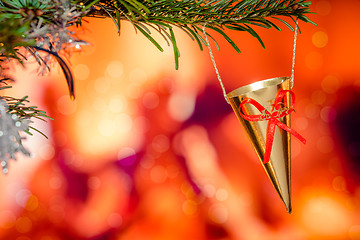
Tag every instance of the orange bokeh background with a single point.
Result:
(148, 152)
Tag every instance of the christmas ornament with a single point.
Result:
(263, 108)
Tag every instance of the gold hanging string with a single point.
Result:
(217, 71)
(293, 58)
(214, 64)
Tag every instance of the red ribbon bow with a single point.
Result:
(276, 112)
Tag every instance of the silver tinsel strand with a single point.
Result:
(10, 139)
(57, 37)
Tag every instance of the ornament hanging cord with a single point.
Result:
(293, 58)
(217, 71)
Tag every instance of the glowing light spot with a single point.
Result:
(147, 162)
(102, 85)
(98, 104)
(7, 219)
(160, 143)
(318, 97)
(65, 105)
(127, 156)
(78, 160)
(301, 123)
(187, 190)
(18, 124)
(117, 104)
(151, 100)
(88, 219)
(189, 207)
(22, 197)
(173, 171)
(158, 174)
(209, 190)
(83, 118)
(323, 8)
(200, 150)
(69, 156)
(328, 114)
(218, 213)
(114, 220)
(330, 84)
(32, 203)
(221, 194)
(312, 111)
(325, 144)
(138, 76)
(180, 106)
(46, 151)
(354, 232)
(55, 182)
(81, 72)
(325, 216)
(142, 123)
(339, 183)
(106, 127)
(123, 122)
(115, 69)
(57, 203)
(314, 60)
(23, 225)
(133, 91)
(295, 148)
(94, 183)
(320, 39)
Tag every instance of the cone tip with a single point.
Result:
(289, 209)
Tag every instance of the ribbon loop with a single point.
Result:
(279, 109)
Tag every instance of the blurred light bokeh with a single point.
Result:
(148, 152)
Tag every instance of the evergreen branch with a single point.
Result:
(18, 107)
(42, 26)
(190, 15)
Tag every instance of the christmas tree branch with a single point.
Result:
(191, 15)
(40, 29)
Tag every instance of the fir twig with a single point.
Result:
(191, 15)
(42, 25)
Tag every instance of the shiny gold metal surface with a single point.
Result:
(278, 168)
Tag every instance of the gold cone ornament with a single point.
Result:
(264, 109)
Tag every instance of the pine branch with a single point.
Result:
(18, 107)
(191, 15)
(42, 26)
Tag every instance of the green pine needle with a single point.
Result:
(191, 15)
